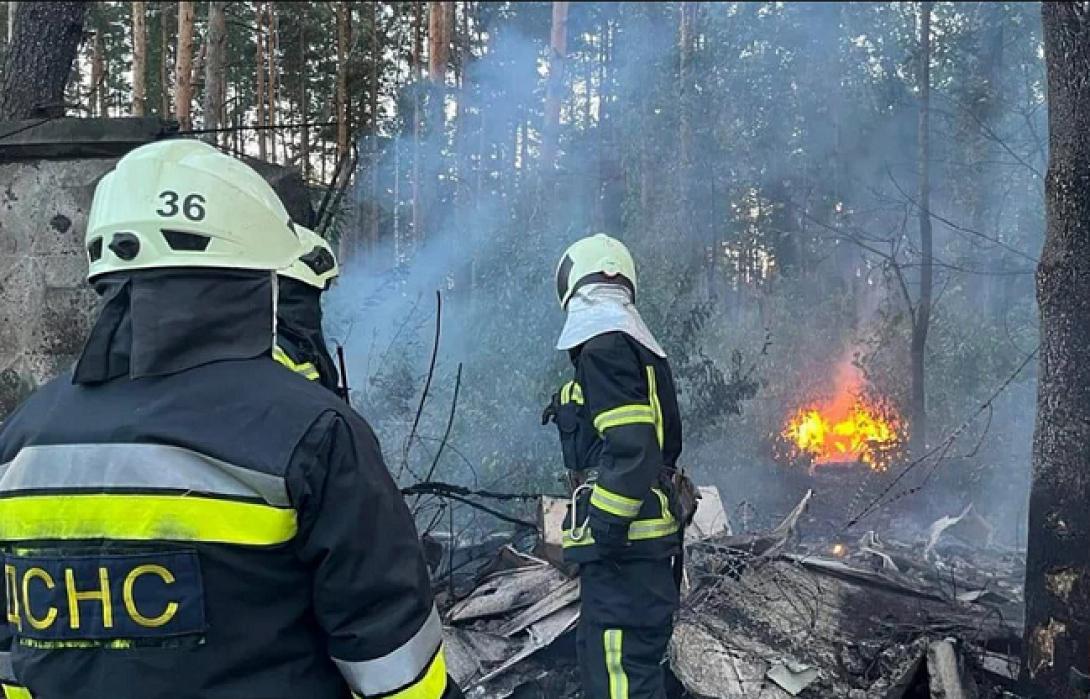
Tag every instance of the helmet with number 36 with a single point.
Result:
(183, 203)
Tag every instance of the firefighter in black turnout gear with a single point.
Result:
(180, 517)
(620, 432)
(300, 343)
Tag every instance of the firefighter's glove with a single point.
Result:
(610, 536)
(549, 414)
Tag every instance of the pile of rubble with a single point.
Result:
(769, 615)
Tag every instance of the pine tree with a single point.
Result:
(183, 76)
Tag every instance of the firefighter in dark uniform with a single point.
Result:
(620, 433)
(180, 517)
(300, 344)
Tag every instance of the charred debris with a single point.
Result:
(795, 610)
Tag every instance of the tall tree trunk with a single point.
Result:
(417, 61)
(987, 101)
(376, 63)
(685, 129)
(439, 20)
(39, 58)
(214, 66)
(139, 58)
(304, 113)
(921, 321)
(164, 64)
(342, 79)
(12, 7)
(98, 74)
(1058, 560)
(558, 52)
(183, 68)
(259, 68)
(274, 75)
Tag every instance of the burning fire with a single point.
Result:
(847, 428)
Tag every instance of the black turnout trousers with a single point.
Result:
(625, 627)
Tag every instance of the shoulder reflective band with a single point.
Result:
(572, 392)
(305, 369)
(618, 680)
(624, 415)
(614, 503)
(416, 670)
(86, 491)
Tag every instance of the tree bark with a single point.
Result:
(417, 60)
(439, 25)
(376, 62)
(214, 66)
(164, 65)
(921, 321)
(685, 130)
(98, 74)
(342, 79)
(1058, 560)
(183, 68)
(558, 51)
(259, 68)
(273, 83)
(39, 59)
(139, 58)
(304, 114)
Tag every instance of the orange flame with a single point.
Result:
(845, 429)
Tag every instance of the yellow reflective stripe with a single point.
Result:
(144, 517)
(661, 526)
(624, 415)
(614, 503)
(431, 686)
(112, 644)
(12, 691)
(568, 542)
(618, 680)
(656, 407)
(640, 530)
(306, 369)
(571, 392)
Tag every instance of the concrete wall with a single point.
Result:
(45, 304)
(46, 307)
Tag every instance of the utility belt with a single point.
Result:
(654, 532)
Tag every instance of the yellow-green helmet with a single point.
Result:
(182, 203)
(317, 266)
(597, 258)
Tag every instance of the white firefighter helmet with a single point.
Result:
(182, 203)
(317, 266)
(596, 258)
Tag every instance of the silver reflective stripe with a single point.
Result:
(141, 466)
(399, 668)
(7, 671)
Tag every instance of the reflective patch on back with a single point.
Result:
(112, 601)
